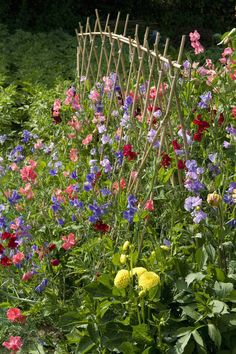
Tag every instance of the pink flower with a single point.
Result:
(209, 63)
(15, 315)
(149, 205)
(39, 144)
(69, 241)
(15, 343)
(73, 155)
(227, 51)
(14, 167)
(153, 92)
(74, 123)
(223, 60)
(57, 105)
(233, 112)
(233, 75)
(18, 258)
(27, 173)
(198, 48)
(87, 140)
(27, 191)
(94, 95)
(133, 175)
(194, 36)
(27, 276)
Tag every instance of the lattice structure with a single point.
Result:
(102, 51)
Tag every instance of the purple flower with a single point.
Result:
(16, 154)
(131, 209)
(205, 100)
(90, 177)
(194, 185)
(186, 64)
(198, 216)
(166, 242)
(102, 128)
(56, 206)
(230, 195)
(26, 136)
(105, 191)
(106, 139)
(226, 144)
(231, 130)
(106, 164)
(213, 157)
(192, 202)
(73, 174)
(14, 198)
(119, 156)
(41, 286)
(87, 187)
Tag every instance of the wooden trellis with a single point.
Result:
(101, 51)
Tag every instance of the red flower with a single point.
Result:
(233, 112)
(12, 244)
(52, 246)
(197, 136)
(6, 235)
(1, 248)
(175, 144)
(5, 261)
(221, 119)
(166, 160)
(99, 226)
(55, 262)
(127, 152)
(181, 164)
(202, 124)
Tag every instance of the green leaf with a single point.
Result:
(85, 345)
(223, 289)
(181, 343)
(141, 334)
(189, 311)
(194, 276)
(198, 339)
(214, 334)
(98, 290)
(219, 307)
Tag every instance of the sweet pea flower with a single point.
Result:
(73, 155)
(18, 258)
(14, 344)
(87, 140)
(69, 241)
(15, 315)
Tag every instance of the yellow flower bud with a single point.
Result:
(137, 271)
(125, 246)
(142, 293)
(165, 248)
(213, 199)
(148, 280)
(123, 259)
(122, 279)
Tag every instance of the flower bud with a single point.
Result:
(125, 246)
(213, 199)
(123, 259)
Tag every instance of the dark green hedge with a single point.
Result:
(170, 15)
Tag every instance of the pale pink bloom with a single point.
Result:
(69, 241)
(94, 95)
(19, 207)
(39, 144)
(194, 36)
(73, 155)
(57, 105)
(74, 123)
(14, 344)
(71, 136)
(227, 51)
(153, 92)
(198, 48)
(27, 276)
(223, 60)
(68, 101)
(233, 75)
(149, 205)
(18, 258)
(162, 89)
(14, 167)
(209, 63)
(87, 140)
(211, 77)
(27, 191)
(195, 65)
(33, 163)
(16, 225)
(133, 175)
(75, 103)
(65, 173)
(202, 71)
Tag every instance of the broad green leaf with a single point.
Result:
(223, 289)
(190, 311)
(181, 343)
(194, 276)
(214, 334)
(219, 307)
(198, 339)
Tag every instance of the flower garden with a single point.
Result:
(117, 209)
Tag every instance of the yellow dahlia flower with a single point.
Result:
(122, 278)
(148, 280)
(138, 271)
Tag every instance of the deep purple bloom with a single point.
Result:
(119, 156)
(41, 286)
(14, 198)
(73, 174)
(87, 187)
(26, 136)
(105, 191)
(229, 197)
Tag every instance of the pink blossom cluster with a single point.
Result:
(194, 39)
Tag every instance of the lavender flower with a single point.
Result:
(230, 195)
(131, 209)
(231, 130)
(106, 164)
(41, 286)
(14, 198)
(3, 138)
(192, 202)
(205, 100)
(198, 216)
